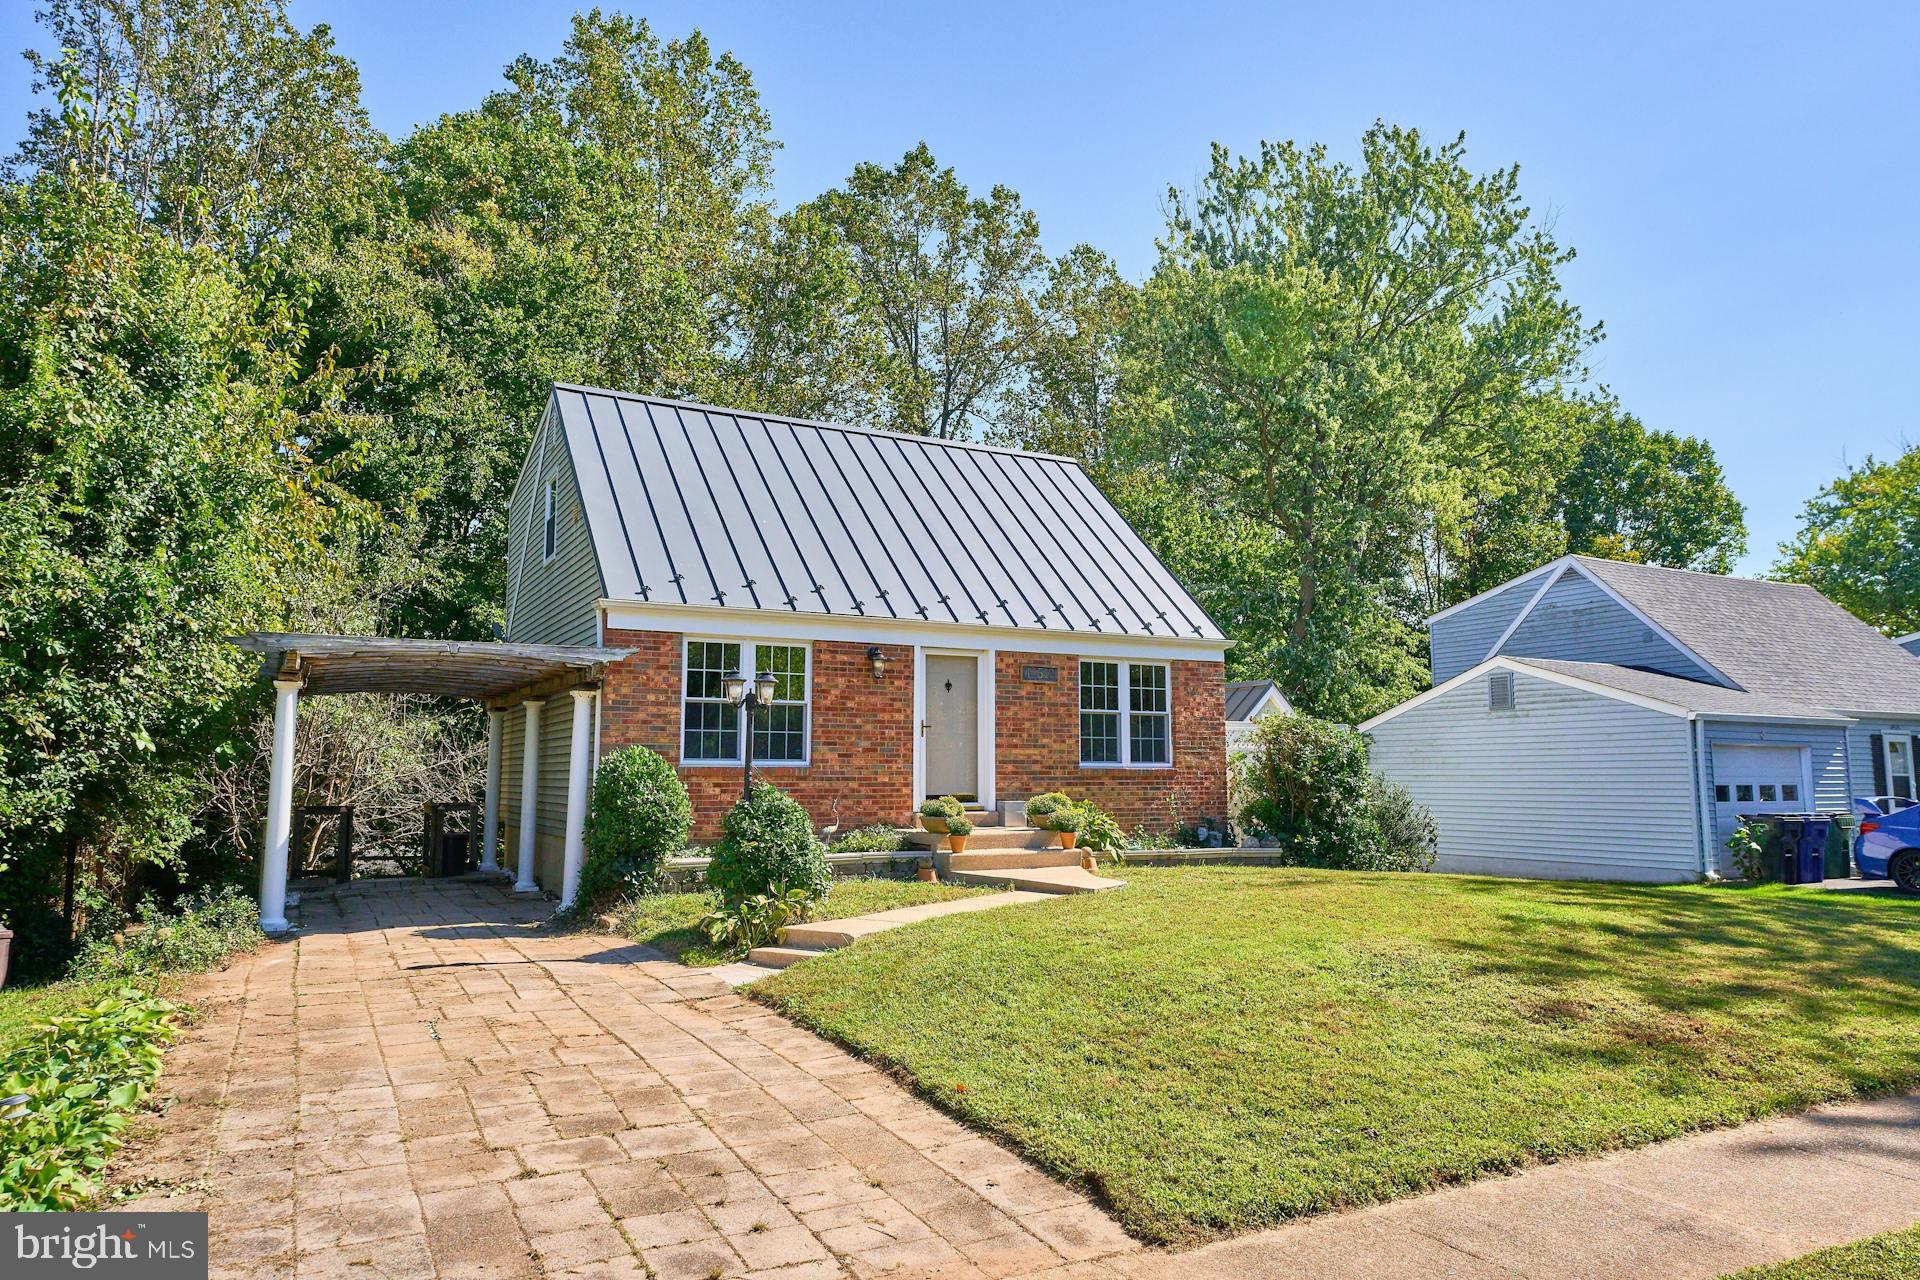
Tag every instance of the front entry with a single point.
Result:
(952, 726)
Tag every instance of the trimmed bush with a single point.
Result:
(1307, 786)
(767, 846)
(1045, 806)
(638, 819)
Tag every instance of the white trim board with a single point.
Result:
(782, 624)
(1470, 601)
(1521, 666)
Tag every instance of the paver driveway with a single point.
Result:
(424, 1084)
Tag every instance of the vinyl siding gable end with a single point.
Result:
(1462, 639)
(551, 600)
(1577, 621)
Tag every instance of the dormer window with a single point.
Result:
(552, 530)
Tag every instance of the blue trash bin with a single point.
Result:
(1813, 849)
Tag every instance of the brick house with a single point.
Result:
(937, 617)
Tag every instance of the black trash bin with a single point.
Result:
(1792, 829)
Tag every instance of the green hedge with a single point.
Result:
(638, 819)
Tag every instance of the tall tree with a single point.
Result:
(1065, 398)
(951, 277)
(1859, 543)
(1652, 496)
(231, 124)
(1320, 343)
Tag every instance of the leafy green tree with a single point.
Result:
(1065, 401)
(154, 492)
(1652, 496)
(232, 125)
(1859, 543)
(951, 278)
(1318, 343)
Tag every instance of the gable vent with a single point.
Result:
(1500, 691)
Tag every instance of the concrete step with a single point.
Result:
(1039, 879)
(782, 956)
(987, 838)
(990, 859)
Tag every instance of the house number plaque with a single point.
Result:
(1040, 675)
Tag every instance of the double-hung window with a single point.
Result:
(1900, 767)
(711, 727)
(1125, 714)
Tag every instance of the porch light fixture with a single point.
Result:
(878, 659)
(751, 694)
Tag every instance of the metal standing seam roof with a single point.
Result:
(1244, 696)
(1781, 639)
(691, 504)
(1693, 695)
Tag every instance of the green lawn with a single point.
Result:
(668, 920)
(1216, 1049)
(1894, 1256)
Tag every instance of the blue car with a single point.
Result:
(1888, 846)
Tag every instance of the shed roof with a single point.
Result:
(1245, 696)
(690, 504)
(1779, 638)
(477, 669)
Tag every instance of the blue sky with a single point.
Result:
(1739, 181)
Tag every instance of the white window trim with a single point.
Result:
(1126, 713)
(748, 646)
(549, 528)
(1913, 766)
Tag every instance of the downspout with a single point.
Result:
(1702, 811)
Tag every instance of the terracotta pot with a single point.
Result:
(1067, 838)
(936, 825)
(926, 875)
(957, 843)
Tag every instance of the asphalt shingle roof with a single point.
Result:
(1777, 638)
(693, 504)
(1693, 695)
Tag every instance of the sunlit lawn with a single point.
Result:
(1216, 1049)
(669, 920)
(1894, 1256)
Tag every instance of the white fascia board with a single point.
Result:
(1546, 585)
(1744, 718)
(1494, 591)
(1520, 667)
(780, 624)
(1902, 640)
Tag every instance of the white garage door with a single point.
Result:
(1756, 780)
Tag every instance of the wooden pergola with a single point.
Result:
(500, 675)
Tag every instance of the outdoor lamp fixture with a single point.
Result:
(878, 659)
(751, 694)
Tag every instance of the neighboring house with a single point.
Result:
(939, 618)
(1249, 701)
(1910, 643)
(1598, 719)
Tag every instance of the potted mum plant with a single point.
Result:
(935, 815)
(958, 829)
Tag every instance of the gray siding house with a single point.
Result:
(1595, 719)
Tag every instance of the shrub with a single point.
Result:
(1307, 787)
(638, 819)
(1044, 806)
(944, 807)
(767, 845)
(878, 838)
(959, 827)
(83, 1075)
(1404, 836)
(1754, 857)
(758, 920)
(200, 933)
(1099, 830)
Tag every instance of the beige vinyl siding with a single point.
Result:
(1576, 621)
(1461, 640)
(550, 601)
(1567, 785)
(556, 728)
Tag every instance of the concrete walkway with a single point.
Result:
(424, 1085)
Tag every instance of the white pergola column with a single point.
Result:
(273, 854)
(579, 772)
(490, 817)
(529, 797)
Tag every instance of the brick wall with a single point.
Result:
(862, 731)
(1037, 744)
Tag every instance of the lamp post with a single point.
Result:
(752, 695)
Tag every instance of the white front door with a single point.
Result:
(1756, 780)
(953, 726)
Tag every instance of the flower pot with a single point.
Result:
(926, 875)
(6, 946)
(936, 825)
(1067, 838)
(957, 843)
